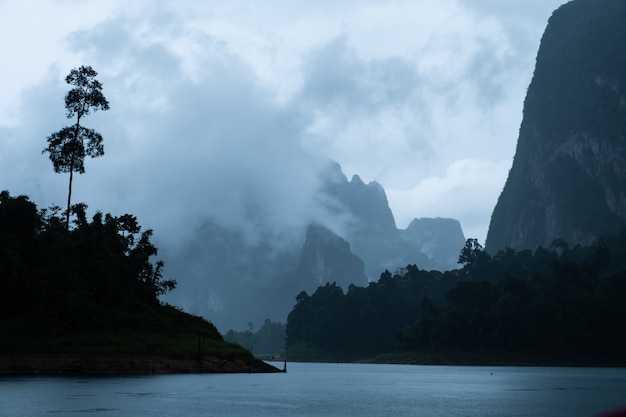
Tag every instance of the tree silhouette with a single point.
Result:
(69, 146)
(472, 252)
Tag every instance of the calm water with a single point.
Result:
(326, 390)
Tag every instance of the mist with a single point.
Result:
(223, 118)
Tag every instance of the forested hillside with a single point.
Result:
(83, 296)
(79, 275)
(553, 305)
(91, 288)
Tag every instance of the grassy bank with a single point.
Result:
(173, 340)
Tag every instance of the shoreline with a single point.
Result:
(460, 359)
(101, 365)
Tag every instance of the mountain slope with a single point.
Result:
(326, 257)
(374, 237)
(568, 178)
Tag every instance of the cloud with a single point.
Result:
(256, 97)
(465, 191)
(228, 111)
(188, 146)
(361, 108)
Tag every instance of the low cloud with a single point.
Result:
(228, 112)
(464, 192)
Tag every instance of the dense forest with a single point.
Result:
(89, 288)
(80, 275)
(553, 305)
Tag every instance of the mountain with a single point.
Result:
(238, 277)
(374, 237)
(437, 238)
(568, 178)
(326, 257)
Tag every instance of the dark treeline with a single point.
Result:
(558, 305)
(83, 276)
(364, 321)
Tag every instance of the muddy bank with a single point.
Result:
(124, 365)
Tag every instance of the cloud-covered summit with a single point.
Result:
(399, 92)
(228, 111)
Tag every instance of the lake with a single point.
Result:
(310, 389)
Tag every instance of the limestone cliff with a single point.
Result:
(568, 178)
(326, 257)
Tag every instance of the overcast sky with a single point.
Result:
(219, 105)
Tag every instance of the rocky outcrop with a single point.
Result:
(326, 257)
(568, 178)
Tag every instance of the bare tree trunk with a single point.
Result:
(69, 194)
(69, 198)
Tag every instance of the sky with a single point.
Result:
(217, 107)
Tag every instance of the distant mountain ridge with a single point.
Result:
(224, 277)
(373, 234)
(568, 178)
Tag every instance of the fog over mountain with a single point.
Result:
(236, 276)
(225, 114)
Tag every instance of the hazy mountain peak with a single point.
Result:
(356, 180)
(353, 238)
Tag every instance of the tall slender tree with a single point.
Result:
(69, 146)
